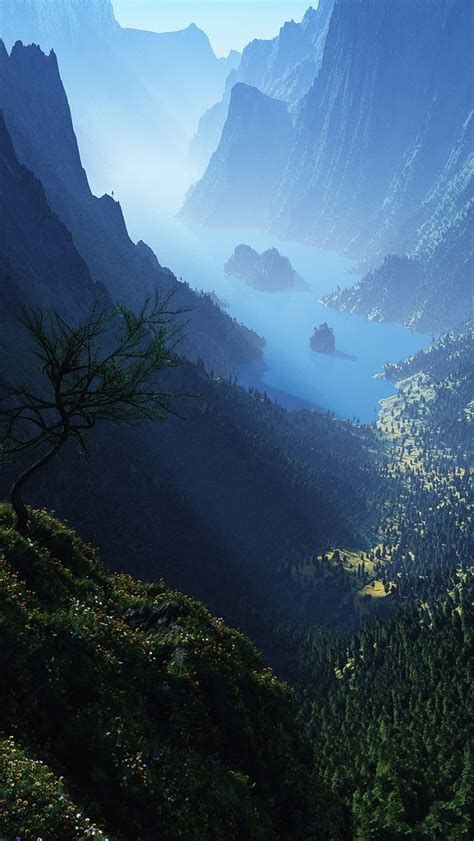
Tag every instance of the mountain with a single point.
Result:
(257, 138)
(37, 114)
(50, 21)
(381, 160)
(38, 260)
(232, 466)
(284, 68)
(127, 709)
(128, 89)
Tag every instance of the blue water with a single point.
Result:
(291, 372)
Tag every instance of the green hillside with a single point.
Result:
(128, 711)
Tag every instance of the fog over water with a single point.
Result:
(291, 372)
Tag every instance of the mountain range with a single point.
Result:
(127, 88)
(380, 158)
(284, 68)
(38, 117)
(233, 466)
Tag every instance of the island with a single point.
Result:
(323, 339)
(267, 272)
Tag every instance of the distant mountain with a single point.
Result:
(380, 142)
(38, 118)
(136, 97)
(257, 139)
(235, 469)
(382, 156)
(284, 67)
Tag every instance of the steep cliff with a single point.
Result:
(380, 135)
(246, 167)
(284, 67)
(382, 155)
(37, 114)
(127, 89)
(39, 263)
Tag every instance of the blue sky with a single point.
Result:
(228, 23)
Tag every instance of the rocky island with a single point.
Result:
(268, 272)
(323, 339)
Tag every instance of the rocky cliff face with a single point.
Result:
(39, 263)
(284, 67)
(38, 118)
(256, 139)
(379, 127)
(382, 158)
(50, 21)
(287, 66)
(128, 90)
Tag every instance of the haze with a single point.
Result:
(230, 24)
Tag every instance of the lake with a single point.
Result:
(291, 372)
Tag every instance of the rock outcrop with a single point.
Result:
(268, 272)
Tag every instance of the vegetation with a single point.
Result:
(104, 369)
(390, 718)
(166, 712)
(131, 704)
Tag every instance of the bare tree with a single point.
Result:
(104, 369)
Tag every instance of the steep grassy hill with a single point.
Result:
(128, 711)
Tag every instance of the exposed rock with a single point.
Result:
(323, 339)
(269, 271)
(381, 158)
(284, 68)
(257, 139)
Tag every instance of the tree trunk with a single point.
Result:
(21, 511)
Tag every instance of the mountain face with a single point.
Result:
(382, 157)
(284, 67)
(377, 130)
(127, 89)
(37, 114)
(39, 263)
(233, 467)
(257, 138)
(50, 20)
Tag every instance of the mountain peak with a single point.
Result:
(50, 21)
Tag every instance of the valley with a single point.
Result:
(286, 318)
(236, 553)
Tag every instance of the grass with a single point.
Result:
(127, 709)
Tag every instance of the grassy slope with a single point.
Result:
(129, 707)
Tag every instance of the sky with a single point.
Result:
(230, 24)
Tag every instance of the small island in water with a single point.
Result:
(268, 272)
(323, 339)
